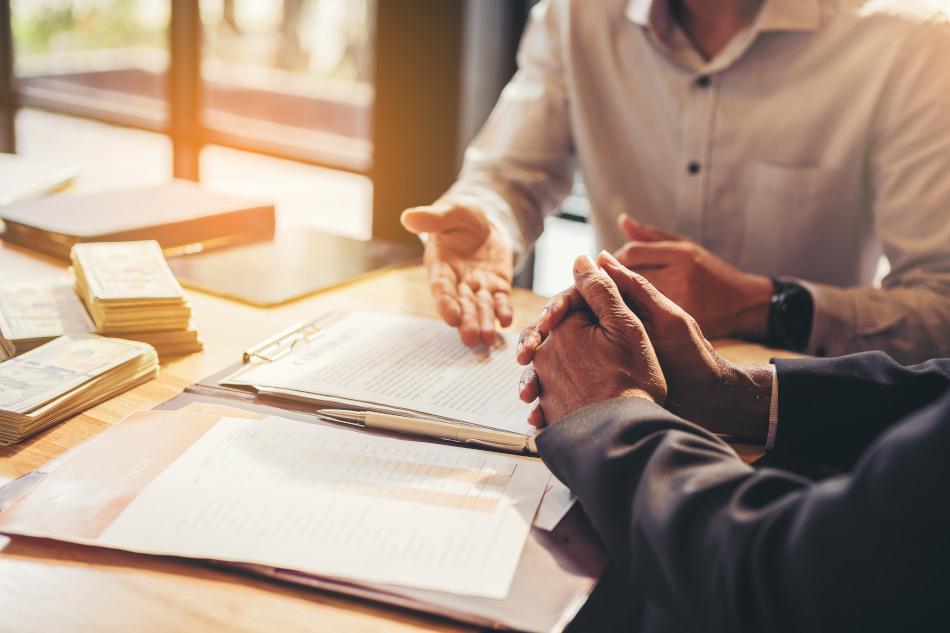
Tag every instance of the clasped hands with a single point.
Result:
(615, 335)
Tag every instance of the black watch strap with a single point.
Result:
(790, 316)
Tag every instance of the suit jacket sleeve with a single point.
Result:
(719, 546)
(830, 410)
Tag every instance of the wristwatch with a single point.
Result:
(790, 316)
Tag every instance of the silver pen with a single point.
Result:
(504, 440)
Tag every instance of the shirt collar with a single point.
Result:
(775, 15)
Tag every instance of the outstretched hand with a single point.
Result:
(470, 269)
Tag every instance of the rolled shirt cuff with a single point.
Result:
(773, 412)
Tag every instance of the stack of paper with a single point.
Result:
(131, 293)
(37, 312)
(66, 376)
(332, 502)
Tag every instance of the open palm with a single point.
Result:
(470, 269)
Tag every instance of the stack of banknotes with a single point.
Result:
(131, 293)
(61, 378)
(36, 312)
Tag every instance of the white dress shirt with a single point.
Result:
(773, 412)
(816, 140)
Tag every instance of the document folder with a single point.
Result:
(556, 574)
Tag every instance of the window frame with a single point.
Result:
(421, 47)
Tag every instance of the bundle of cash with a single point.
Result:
(131, 293)
(66, 376)
(33, 313)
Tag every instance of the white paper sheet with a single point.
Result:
(337, 502)
(557, 502)
(404, 362)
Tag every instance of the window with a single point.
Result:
(99, 58)
(291, 78)
(225, 83)
(275, 80)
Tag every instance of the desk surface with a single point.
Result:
(47, 586)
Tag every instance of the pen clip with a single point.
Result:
(511, 448)
(336, 420)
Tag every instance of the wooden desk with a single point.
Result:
(47, 586)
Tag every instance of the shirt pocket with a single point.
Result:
(796, 222)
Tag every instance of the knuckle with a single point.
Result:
(598, 283)
(541, 360)
(680, 324)
(692, 251)
(446, 301)
(683, 248)
(689, 322)
(440, 285)
(501, 286)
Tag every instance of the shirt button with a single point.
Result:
(693, 168)
(703, 81)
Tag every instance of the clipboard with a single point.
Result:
(285, 341)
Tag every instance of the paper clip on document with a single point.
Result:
(283, 342)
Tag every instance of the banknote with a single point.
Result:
(51, 370)
(125, 270)
(37, 310)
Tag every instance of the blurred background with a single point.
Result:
(343, 112)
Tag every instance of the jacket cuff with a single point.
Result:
(600, 414)
(584, 435)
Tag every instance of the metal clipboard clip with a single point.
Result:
(283, 342)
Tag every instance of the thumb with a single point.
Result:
(426, 219)
(599, 292)
(439, 218)
(640, 232)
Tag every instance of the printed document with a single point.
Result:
(328, 501)
(401, 364)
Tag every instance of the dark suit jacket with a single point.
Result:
(707, 543)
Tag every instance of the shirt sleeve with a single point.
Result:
(773, 412)
(520, 167)
(909, 164)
